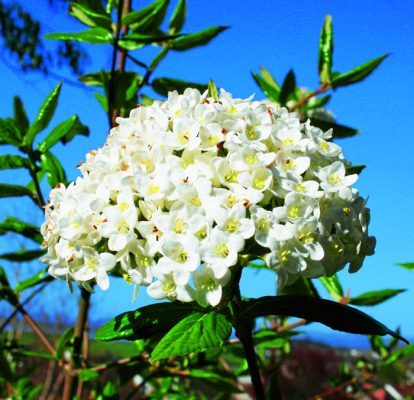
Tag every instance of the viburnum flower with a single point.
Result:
(184, 189)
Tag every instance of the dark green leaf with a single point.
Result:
(335, 315)
(63, 132)
(218, 379)
(213, 91)
(325, 51)
(12, 224)
(268, 84)
(302, 286)
(9, 161)
(339, 131)
(28, 283)
(333, 286)
(357, 74)
(44, 115)
(375, 297)
(93, 36)
(90, 17)
(197, 39)
(32, 354)
(409, 265)
(268, 339)
(164, 85)
(355, 169)
(7, 190)
(144, 322)
(22, 255)
(20, 117)
(9, 132)
(148, 18)
(400, 353)
(52, 166)
(88, 375)
(63, 342)
(199, 331)
(178, 17)
(288, 88)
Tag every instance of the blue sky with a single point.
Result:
(278, 35)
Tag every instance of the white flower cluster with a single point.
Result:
(185, 187)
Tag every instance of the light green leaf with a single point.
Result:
(357, 74)
(10, 133)
(409, 265)
(199, 331)
(44, 115)
(406, 351)
(269, 339)
(93, 36)
(52, 166)
(326, 51)
(146, 101)
(288, 87)
(32, 281)
(200, 38)
(148, 18)
(20, 116)
(164, 85)
(333, 286)
(213, 91)
(339, 131)
(375, 297)
(133, 41)
(9, 161)
(268, 84)
(63, 342)
(88, 375)
(319, 102)
(63, 132)
(178, 17)
(30, 231)
(90, 17)
(7, 190)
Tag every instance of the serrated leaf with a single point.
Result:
(325, 54)
(357, 74)
(164, 85)
(200, 38)
(330, 313)
(7, 190)
(63, 132)
(92, 36)
(213, 91)
(375, 297)
(144, 322)
(20, 116)
(22, 255)
(90, 17)
(178, 17)
(9, 161)
(409, 265)
(44, 115)
(199, 331)
(148, 18)
(268, 84)
(288, 88)
(333, 286)
(30, 231)
(339, 131)
(53, 168)
(355, 169)
(34, 280)
(398, 354)
(9, 132)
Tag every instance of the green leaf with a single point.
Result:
(220, 380)
(355, 169)
(357, 74)
(213, 91)
(30, 231)
(90, 17)
(318, 103)
(44, 115)
(7, 190)
(164, 85)
(9, 161)
(63, 342)
(148, 18)
(326, 51)
(178, 17)
(144, 322)
(400, 353)
(199, 331)
(302, 286)
(339, 131)
(146, 101)
(333, 286)
(288, 88)
(22, 255)
(88, 375)
(269, 339)
(375, 297)
(268, 84)
(109, 389)
(32, 354)
(28, 283)
(409, 265)
(63, 132)
(200, 38)
(330, 313)
(52, 166)
(9, 132)
(93, 36)
(133, 41)
(20, 116)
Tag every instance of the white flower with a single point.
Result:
(208, 288)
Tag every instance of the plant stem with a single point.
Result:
(244, 333)
(40, 199)
(303, 100)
